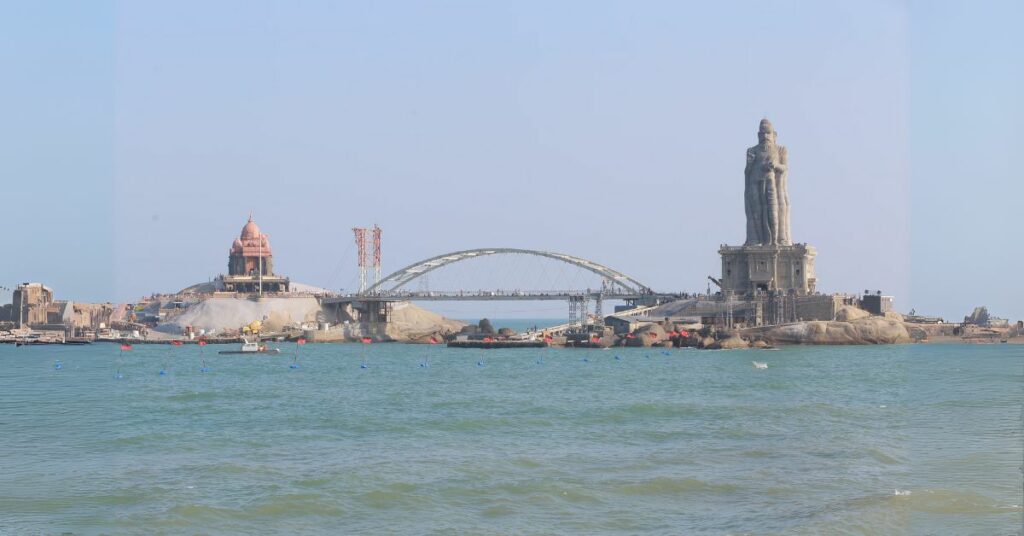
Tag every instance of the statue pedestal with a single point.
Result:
(746, 269)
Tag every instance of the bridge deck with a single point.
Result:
(497, 296)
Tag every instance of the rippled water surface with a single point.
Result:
(920, 439)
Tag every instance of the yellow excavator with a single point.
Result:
(253, 328)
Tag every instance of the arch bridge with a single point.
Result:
(616, 282)
(374, 303)
(616, 285)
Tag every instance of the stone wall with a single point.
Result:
(819, 306)
(749, 268)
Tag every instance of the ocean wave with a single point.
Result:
(675, 486)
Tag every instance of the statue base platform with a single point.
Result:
(768, 267)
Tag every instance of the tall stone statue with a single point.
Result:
(767, 200)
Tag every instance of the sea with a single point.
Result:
(423, 439)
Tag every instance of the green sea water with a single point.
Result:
(916, 439)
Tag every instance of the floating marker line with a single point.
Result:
(125, 347)
(202, 356)
(365, 341)
(295, 362)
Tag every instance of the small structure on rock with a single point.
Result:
(251, 264)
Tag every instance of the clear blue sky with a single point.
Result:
(137, 136)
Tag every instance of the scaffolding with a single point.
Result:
(578, 307)
(363, 255)
(376, 255)
(361, 258)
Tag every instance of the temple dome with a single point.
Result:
(251, 242)
(251, 230)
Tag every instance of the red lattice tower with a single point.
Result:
(361, 257)
(376, 254)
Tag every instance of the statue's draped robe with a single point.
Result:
(765, 195)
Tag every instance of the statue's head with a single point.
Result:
(765, 133)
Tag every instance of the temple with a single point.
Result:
(251, 264)
(768, 262)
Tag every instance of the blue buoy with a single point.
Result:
(58, 365)
(363, 366)
(540, 361)
(163, 372)
(118, 376)
(585, 360)
(293, 366)
(204, 369)
(648, 356)
(479, 363)
(617, 358)
(665, 352)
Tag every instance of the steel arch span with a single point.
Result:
(397, 279)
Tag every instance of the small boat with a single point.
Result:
(250, 348)
(760, 364)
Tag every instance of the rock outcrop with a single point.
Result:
(648, 335)
(410, 323)
(733, 342)
(865, 330)
(849, 313)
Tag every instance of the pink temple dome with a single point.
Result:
(251, 242)
(251, 230)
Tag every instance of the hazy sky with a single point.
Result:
(137, 136)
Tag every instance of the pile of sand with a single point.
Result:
(220, 314)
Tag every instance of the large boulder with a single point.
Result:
(848, 313)
(893, 315)
(410, 322)
(870, 330)
(648, 335)
(733, 342)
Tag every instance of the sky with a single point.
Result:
(138, 136)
